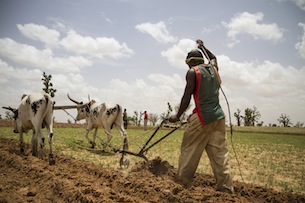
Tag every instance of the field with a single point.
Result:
(268, 164)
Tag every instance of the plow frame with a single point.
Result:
(124, 162)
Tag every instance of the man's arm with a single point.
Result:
(207, 53)
(212, 57)
(186, 98)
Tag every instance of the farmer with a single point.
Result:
(206, 126)
(125, 119)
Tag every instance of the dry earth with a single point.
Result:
(25, 178)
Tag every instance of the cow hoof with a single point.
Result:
(92, 144)
(124, 162)
(52, 162)
(51, 159)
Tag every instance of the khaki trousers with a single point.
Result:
(145, 124)
(212, 138)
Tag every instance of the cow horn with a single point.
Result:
(88, 97)
(84, 105)
(76, 102)
(10, 108)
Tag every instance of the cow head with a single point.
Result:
(82, 109)
(17, 121)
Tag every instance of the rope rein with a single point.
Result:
(231, 137)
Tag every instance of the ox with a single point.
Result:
(34, 113)
(103, 115)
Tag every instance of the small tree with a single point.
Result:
(285, 120)
(131, 120)
(238, 117)
(251, 116)
(260, 123)
(137, 117)
(48, 85)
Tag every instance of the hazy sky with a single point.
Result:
(132, 52)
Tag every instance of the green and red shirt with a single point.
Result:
(206, 95)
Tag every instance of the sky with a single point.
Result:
(132, 52)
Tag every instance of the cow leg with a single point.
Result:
(124, 136)
(34, 143)
(50, 132)
(93, 143)
(109, 138)
(41, 142)
(107, 128)
(21, 141)
(87, 137)
(49, 125)
(51, 155)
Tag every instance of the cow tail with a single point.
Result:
(47, 99)
(119, 109)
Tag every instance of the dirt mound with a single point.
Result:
(25, 178)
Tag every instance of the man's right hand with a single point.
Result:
(173, 119)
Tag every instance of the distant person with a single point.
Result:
(206, 126)
(145, 120)
(125, 118)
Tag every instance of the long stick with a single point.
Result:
(66, 107)
(201, 47)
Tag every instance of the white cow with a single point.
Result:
(103, 115)
(34, 113)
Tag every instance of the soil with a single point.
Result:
(26, 178)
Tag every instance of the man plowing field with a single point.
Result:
(206, 126)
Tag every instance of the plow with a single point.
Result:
(124, 160)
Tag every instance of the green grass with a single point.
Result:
(272, 157)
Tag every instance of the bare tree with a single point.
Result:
(238, 117)
(153, 118)
(299, 125)
(251, 116)
(285, 120)
(166, 115)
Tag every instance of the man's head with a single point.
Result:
(194, 58)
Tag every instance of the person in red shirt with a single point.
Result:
(145, 120)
